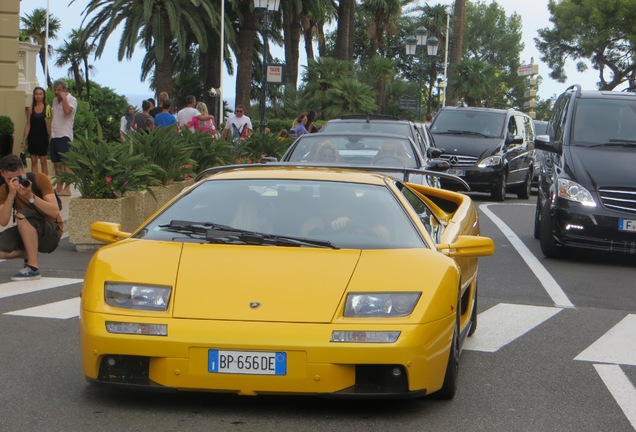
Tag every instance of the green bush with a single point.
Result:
(209, 152)
(6, 125)
(102, 169)
(168, 149)
(258, 145)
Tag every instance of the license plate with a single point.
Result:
(627, 225)
(456, 172)
(247, 362)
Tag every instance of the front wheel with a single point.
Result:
(548, 246)
(526, 187)
(499, 191)
(451, 378)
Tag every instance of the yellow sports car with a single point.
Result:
(264, 279)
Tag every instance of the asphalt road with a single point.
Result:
(555, 350)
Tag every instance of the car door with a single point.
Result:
(514, 151)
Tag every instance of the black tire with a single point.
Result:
(473, 315)
(451, 378)
(499, 191)
(526, 187)
(548, 246)
(537, 220)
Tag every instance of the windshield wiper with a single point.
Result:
(217, 233)
(617, 143)
(462, 132)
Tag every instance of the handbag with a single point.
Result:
(23, 159)
(47, 120)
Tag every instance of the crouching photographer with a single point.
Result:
(33, 206)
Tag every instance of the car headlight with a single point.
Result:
(573, 191)
(137, 296)
(489, 161)
(382, 305)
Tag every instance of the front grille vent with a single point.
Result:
(620, 199)
(458, 161)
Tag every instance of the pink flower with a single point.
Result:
(109, 179)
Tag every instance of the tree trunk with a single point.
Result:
(245, 42)
(456, 49)
(344, 34)
(291, 32)
(163, 69)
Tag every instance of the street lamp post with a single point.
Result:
(446, 57)
(266, 8)
(432, 44)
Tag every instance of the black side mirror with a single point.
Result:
(434, 153)
(516, 139)
(437, 165)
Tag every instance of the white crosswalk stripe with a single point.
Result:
(491, 335)
(9, 289)
(64, 309)
(617, 346)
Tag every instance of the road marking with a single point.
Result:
(617, 346)
(64, 309)
(621, 389)
(549, 284)
(9, 289)
(503, 323)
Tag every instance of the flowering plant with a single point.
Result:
(100, 169)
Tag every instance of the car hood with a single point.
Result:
(599, 167)
(281, 284)
(468, 145)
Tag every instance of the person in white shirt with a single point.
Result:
(185, 115)
(63, 111)
(239, 126)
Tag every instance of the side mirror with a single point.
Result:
(107, 232)
(266, 159)
(468, 246)
(516, 139)
(543, 142)
(437, 165)
(434, 153)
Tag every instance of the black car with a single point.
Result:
(385, 124)
(587, 186)
(491, 149)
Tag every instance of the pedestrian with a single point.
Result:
(429, 120)
(63, 111)
(150, 124)
(298, 127)
(125, 123)
(34, 208)
(311, 125)
(240, 125)
(159, 108)
(139, 119)
(206, 126)
(185, 115)
(36, 134)
(165, 118)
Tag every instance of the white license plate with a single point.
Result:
(247, 362)
(456, 172)
(627, 225)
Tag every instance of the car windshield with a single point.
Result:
(605, 123)
(387, 151)
(286, 213)
(467, 122)
(385, 127)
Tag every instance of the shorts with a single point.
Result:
(48, 234)
(59, 146)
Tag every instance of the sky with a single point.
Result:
(124, 77)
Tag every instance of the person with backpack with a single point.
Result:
(28, 199)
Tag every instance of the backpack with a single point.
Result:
(36, 189)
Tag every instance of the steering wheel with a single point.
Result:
(389, 161)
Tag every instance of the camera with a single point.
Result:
(25, 182)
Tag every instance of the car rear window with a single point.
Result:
(363, 126)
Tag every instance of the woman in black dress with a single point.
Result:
(35, 132)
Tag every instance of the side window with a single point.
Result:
(556, 124)
(428, 219)
(513, 128)
(529, 129)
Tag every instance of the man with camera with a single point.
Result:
(34, 208)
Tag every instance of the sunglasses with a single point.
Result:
(238, 111)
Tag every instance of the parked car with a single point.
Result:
(489, 148)
(540, 128)
(264, 279)
(389, 153)
(367, 123)
(587, 188)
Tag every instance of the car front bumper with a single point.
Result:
(412, 366)
(479, 179)
(591, 228)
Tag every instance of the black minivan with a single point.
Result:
(491, 149)
(587, 184)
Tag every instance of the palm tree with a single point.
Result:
(34, 28)
(383, 15)
(320, 77)
(346, 30)
(381, 70)
(152, 24)
(456, 49)
(474, 82)
(75, 51)
(349, 96)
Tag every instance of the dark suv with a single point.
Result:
(491, 149)
(587, 184)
